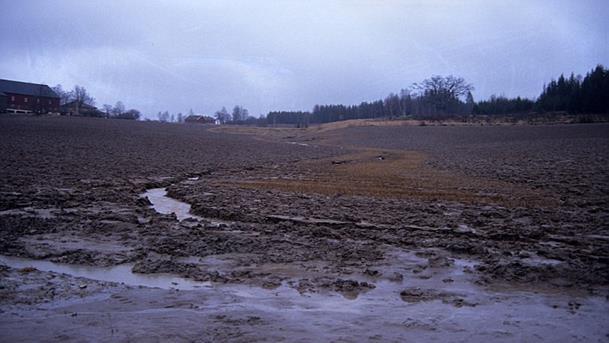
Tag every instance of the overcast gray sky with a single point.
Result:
(291, 55)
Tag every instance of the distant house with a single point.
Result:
(25, 97)
(198, 119)
(73, 108)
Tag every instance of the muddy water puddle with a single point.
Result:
(119, 274)
(166, 205)
(433, 309)
(163, 204)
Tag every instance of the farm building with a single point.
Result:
(199, 119)
(75, 108)
(25, 97)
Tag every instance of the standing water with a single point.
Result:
(120, 274)
(166, 205)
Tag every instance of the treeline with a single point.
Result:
(577, 95)
(441, 97)
(437, 97)
(79, 101)
(502, 105)
(240, 115)
(297, 118)
(118, 111)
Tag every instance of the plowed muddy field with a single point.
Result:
(115, 230)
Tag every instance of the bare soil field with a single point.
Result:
(335, 233)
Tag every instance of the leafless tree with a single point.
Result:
(441, 95)
(64, 96)
(81, 96)
(223, 116)
(163, 116)
(451, 86)
(108, 110)
(118, 109)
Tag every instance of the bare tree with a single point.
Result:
(237, 113)
(240, 113)
(64, 96)
(81, 96)
(163, 116)
(449, 85)
(108, 110)
(118, 109)
(392, 104)
(469, 103)
(223, 116)
(441, 95)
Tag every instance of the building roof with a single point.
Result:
(26, 88)
(72, 104)
(198, 118)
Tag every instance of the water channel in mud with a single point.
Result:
(123, 273)
(119, 274)
(434, 310)
(439, 302)
(166, 205)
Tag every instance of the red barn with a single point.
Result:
(24, 97)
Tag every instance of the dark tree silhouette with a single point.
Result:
(502, 105)
(223, 116)
(81, 96)
(64, 96)
(577, 95)
(448, 96)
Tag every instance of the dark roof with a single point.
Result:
(82, 106)
(25, 88)
(198, 118)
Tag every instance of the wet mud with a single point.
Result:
(467, 233)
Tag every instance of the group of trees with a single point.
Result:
(240, 115)
(297, 118)
(502, 105)
(447, 96)
(166, 117)
(80, 98)
(577, 95)
(118, 112)
(78, 94)
(436, 97)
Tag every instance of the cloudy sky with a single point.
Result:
(290, 55)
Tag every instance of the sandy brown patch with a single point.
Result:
(397, 174)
